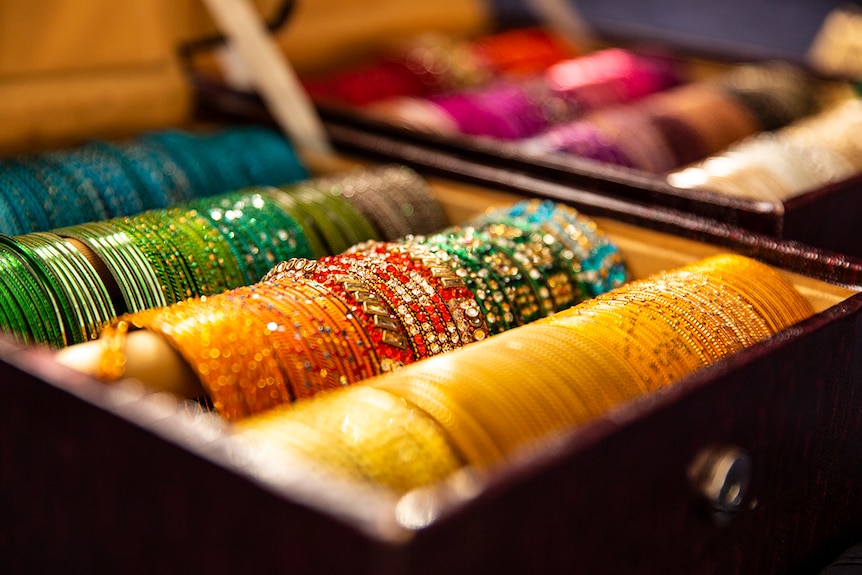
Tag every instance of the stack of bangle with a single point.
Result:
(529, 260)
(381, 305)
(671, 128)
(523, 106)
(804, 156)
(478, 405)
(100, 180)
(433, 64)
(204, 247)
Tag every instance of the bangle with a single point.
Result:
(360, 433)
(112, 360)
(377, 318)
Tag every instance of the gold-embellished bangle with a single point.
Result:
(463, 307)
(387, 335)
(418, 307)
(358, 355)
(772, 295)
(359, 433)
(112, 360)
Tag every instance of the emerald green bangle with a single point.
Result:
(208, 254)
(135, 276)
(455, 248)
(307, 227)
(12, 297)
(26, 286)
(74, 280)
(353, 225)
(161, 254)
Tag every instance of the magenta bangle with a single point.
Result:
(505, 111)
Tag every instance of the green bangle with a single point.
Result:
(214, 261)
(14, 316)
(89, 305)
(314, 216)
(306, 224)
(125, 261)
(353, 225)
(487, 287)
(161, 255)
(28, 286)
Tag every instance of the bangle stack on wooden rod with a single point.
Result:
(315, 325)
(100, 180)
(480, 404)
(435, 64)
(610, 105)
(61, 287)
(806, 155)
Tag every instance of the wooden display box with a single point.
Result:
(827, 218)
(98, 478)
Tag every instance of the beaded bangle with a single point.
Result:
(595, 261)
(418, 306)
(463, 308)
(388, 340)
(457, 249)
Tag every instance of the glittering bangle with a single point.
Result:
(485, 284)
(388, 340)
(419, 307)
(112, 361)
(386, 441)
(465, 311)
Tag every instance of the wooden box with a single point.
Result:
(827, 218)
(116, 479)
(113, 478)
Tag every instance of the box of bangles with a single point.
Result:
(771, 146)
(367, 371)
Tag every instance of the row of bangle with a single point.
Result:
(804, 156)
(475, 406)
(616, 107)
(523, 106)
(100, 180)
(678, 126)
(314, 325)
(77, 278)
(433, 64)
